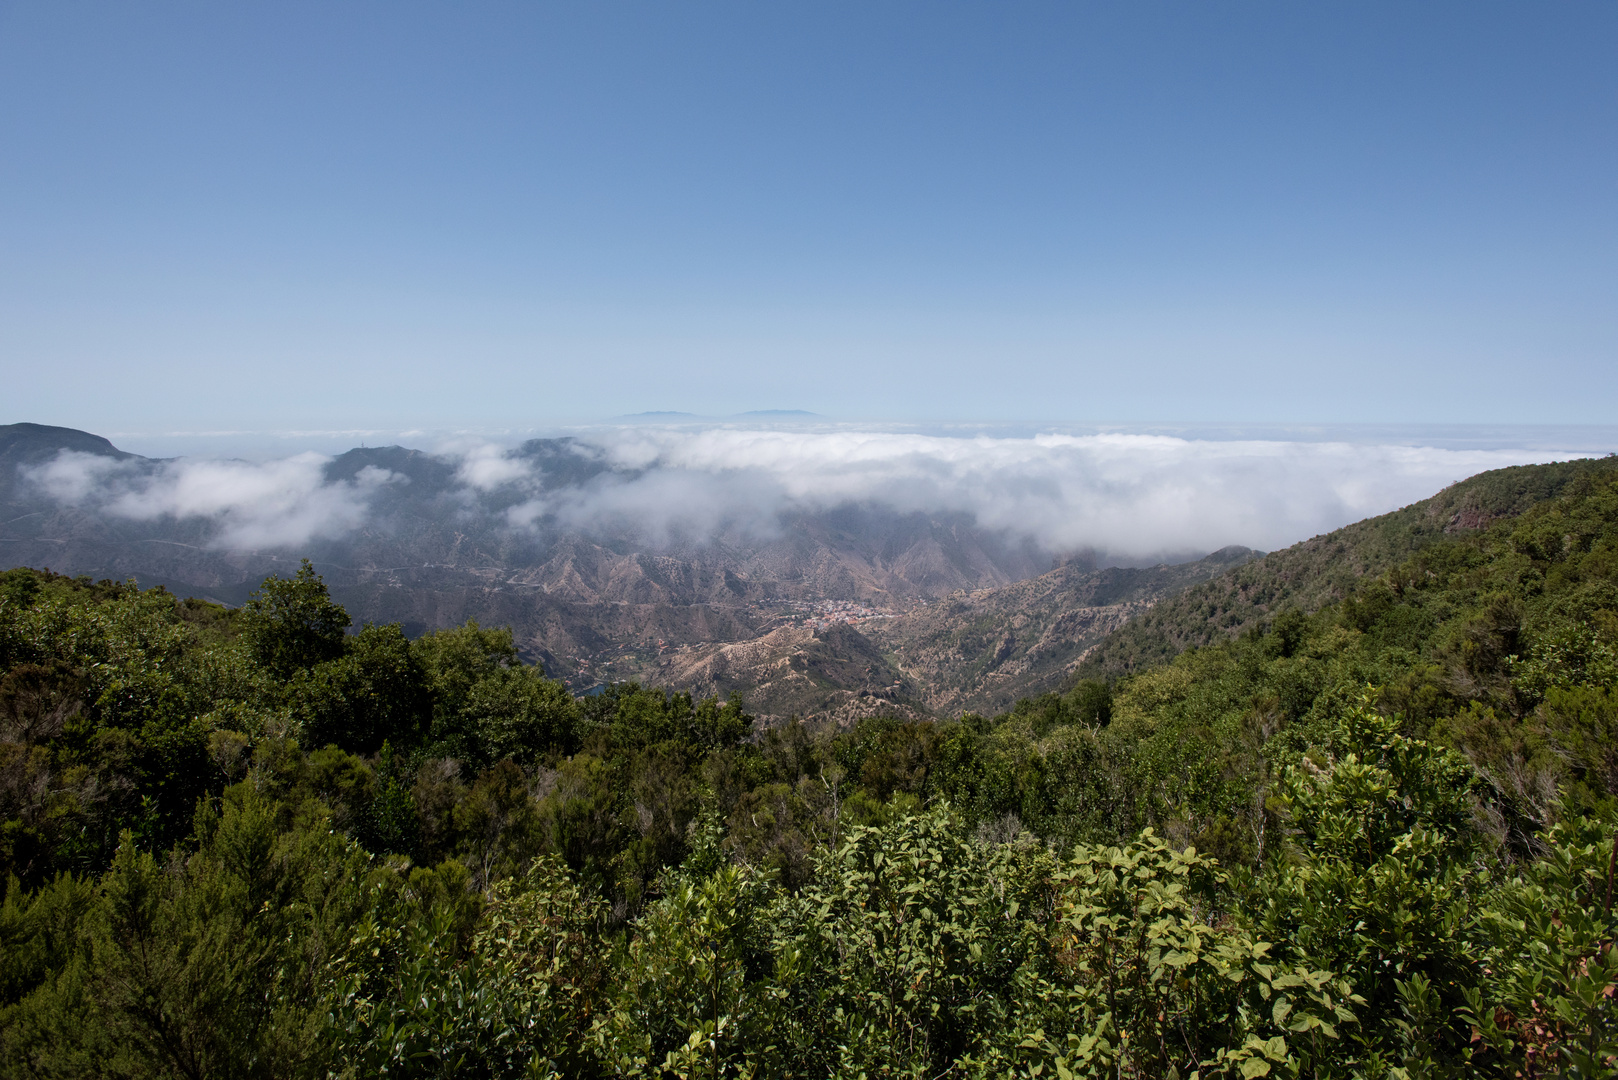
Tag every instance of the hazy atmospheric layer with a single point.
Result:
(1129, 497)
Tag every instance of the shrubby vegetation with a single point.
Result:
(1371, 836)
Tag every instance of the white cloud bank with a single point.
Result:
(1129, 496)
(488, 467)
(281, 503)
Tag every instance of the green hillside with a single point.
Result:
(1326, 568)
(1366, 826)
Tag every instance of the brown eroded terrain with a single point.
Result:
(973, 651)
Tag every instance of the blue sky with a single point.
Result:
(311, 216)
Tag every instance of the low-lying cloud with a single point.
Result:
(488, 467)
(1128, 497)
(275, 504)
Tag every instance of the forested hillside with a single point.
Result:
(1370, 833)
(1327, 568)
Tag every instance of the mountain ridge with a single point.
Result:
(1328, 567)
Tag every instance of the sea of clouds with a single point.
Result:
(272, 504)
(1131, 497)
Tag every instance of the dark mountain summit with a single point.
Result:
(32, 443)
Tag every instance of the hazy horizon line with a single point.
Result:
(164, 441)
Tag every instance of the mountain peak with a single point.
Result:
(34, 442)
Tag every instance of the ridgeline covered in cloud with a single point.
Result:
(725, 557)
(277, 504)
(1124, 497)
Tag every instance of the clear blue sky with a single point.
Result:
(306, 215)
